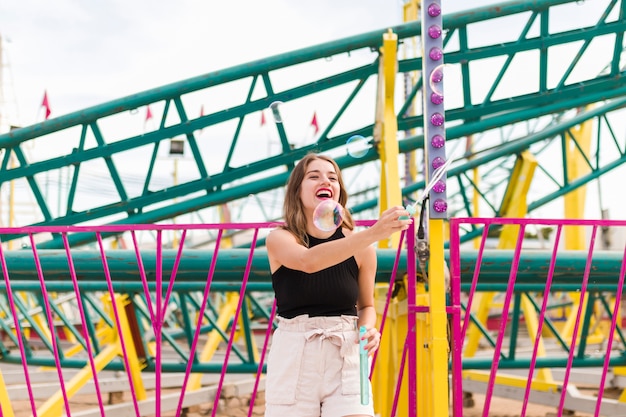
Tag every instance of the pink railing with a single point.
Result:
(594, 300)
(155, 400)
(161, 396)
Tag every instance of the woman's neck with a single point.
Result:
(312, 230)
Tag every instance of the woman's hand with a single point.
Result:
(372, 335)
(392, 220)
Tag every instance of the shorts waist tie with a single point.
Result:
(334, 335)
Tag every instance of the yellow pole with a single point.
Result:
(227, 312)
(54, 405)
(390, 193)
(438, 343)
(577, 167)
(5, 401)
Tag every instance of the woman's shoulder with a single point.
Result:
(279, 234)
(346, 232)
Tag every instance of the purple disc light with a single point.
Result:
(438, 161)
(440, 186)
(436, 119)
(435, 53)
(440, 205)
(434, 10)
(434, 31)
(437, 141)
(436, 98)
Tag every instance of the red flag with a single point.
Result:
(46, 104)
(314, 123)
(148, 114)
(262, 119)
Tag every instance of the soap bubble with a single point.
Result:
(436, 80)
(357, 146)
(274, 107)
(447, 74)
(328, 215)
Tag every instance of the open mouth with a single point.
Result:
(324, 193)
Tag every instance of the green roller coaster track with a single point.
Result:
(550, 99)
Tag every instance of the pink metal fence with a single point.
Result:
(142, 401)
(595, 295)
(156, 309)
(523, 276)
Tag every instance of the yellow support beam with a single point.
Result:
(512, 381)
(5, 402)
(576, 167)
(227, 312)
(55, 405)
(574, 208)
(438, 343)
(386, 138)
(515, 204)
(424, 358)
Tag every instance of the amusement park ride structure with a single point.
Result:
(534, 113)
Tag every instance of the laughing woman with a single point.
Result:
(324, 286)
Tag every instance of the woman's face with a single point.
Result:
(321, 182)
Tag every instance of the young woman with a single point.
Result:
(324, 287)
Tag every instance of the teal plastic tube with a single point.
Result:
(364, 363)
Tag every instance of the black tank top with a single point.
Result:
(330, 292)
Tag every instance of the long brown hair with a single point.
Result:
(293, 210)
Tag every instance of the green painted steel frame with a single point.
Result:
(191, 281)
(472, 117)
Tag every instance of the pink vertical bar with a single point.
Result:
(53, 335)
(144, 279)
(259, 372)
(18, 331)
(179, 254)
(607, 356)
(457, 336)
(392, 280)
(396, 395)
(107, 275)
(83, 321)
(411, 321)
(479, 262)
(503, 322)
(162, 307)
(542, 315)
(194, 342)
(157, 325)
(583, 293)
(242, 294)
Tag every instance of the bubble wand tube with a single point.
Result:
(364, 365)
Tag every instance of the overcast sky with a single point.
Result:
(88, 52)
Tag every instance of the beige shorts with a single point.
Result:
(313, 369)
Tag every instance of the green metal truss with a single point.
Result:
(225, 142)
